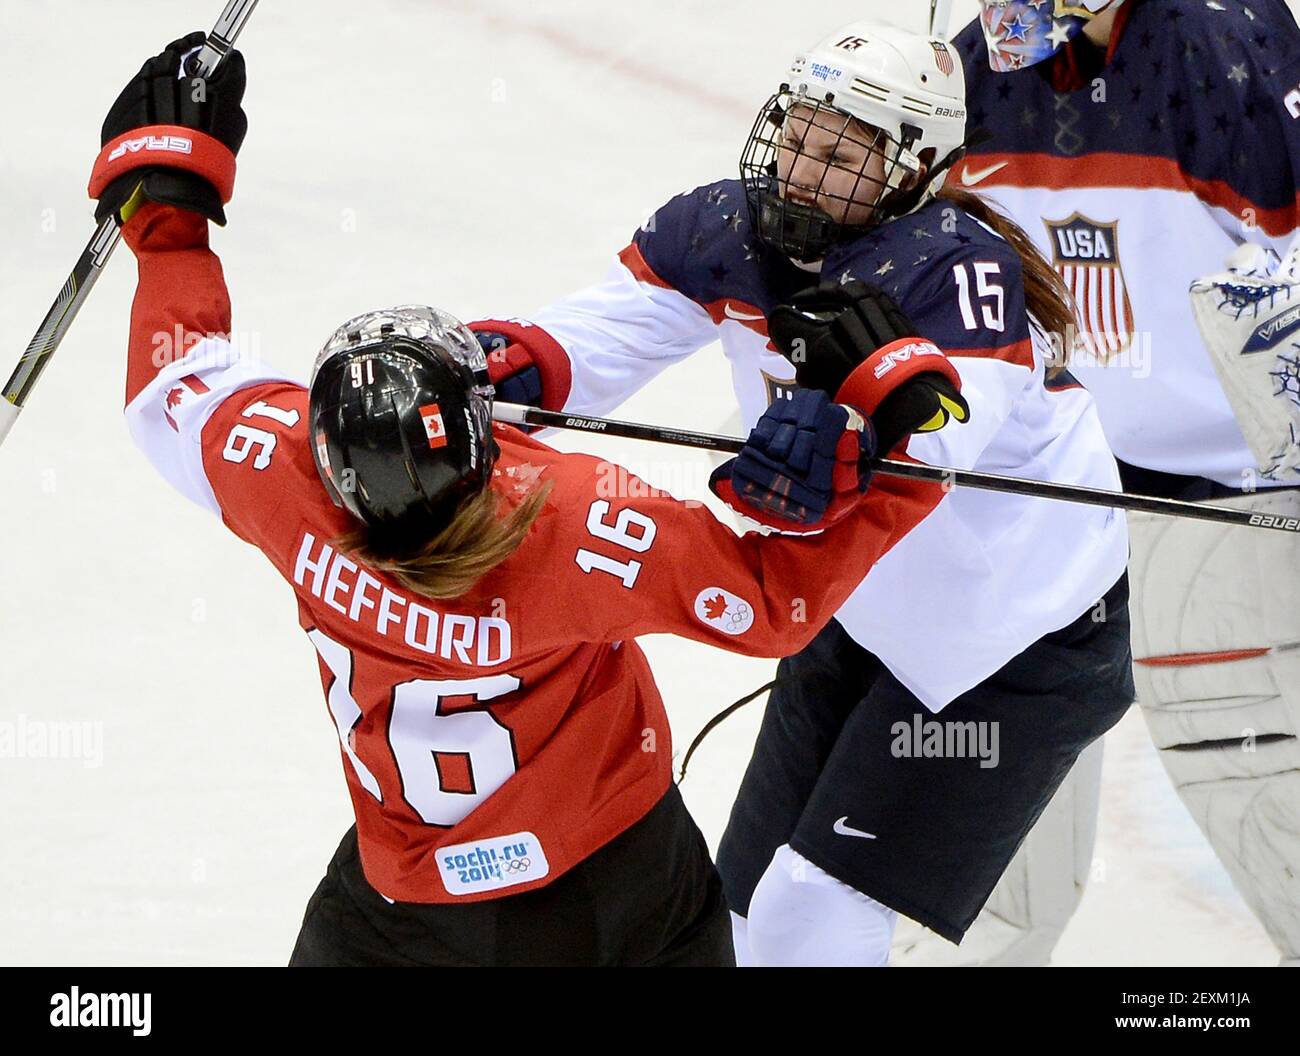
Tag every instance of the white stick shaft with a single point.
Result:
(940, 16)
(8, 415)
(90, 265)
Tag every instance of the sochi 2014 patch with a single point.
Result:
(491, 864)
(724, 610)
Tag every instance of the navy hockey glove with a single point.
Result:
(510, 366)
(172, 138)
(805, 464)
(832, 333)
(525, 363)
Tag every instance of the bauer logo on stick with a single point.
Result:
(434, 428)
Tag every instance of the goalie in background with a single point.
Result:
(1161, 140)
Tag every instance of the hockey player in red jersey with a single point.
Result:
(474, 595)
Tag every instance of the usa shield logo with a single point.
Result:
(943, 58)
(1086, 255)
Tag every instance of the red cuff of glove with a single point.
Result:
(530, 345)
(726, 491)
(167, 146)
(889, 368)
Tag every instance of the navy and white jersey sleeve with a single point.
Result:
(621, 333)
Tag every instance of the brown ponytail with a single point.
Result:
(478, 539)
(1047, 297)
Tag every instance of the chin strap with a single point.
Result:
(911, 200)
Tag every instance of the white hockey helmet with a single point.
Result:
(909, 89)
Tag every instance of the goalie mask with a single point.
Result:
(863, 130)
(400, 413)
(1020, 33)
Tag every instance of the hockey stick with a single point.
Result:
(949, 478)
(940, 15)
(58, 320)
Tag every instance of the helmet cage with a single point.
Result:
(805, 221)
(424, 325)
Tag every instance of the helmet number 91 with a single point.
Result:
(359, 377)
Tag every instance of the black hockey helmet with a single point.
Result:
(401, 422)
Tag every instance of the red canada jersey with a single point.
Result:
(492, 741)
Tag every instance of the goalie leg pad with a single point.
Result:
(1216, 640)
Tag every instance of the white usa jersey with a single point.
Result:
(1137, 178)
(984, 576)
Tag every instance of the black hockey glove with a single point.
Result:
(172, 136)
(827, 333)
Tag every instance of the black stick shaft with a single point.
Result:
(949, 478)
(90, 265)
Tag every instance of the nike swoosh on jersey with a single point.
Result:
(731, 313)
(843, 829)
(970, 179)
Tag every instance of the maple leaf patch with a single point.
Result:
(715, 607)
(724, 610)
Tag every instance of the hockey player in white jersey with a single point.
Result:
(848, 815)
(1142, 143)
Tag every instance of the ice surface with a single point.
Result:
(484, 157)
